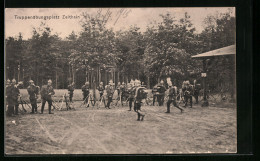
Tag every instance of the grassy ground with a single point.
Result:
(116, 131)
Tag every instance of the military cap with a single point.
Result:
(49, 81)
(13, 81)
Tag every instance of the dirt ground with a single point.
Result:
(116, 131)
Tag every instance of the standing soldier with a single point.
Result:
(123, 91)
(140, 94)
(161, 90)
(131, 92)
(11, 97)
(118, 90)
(33, 91)
(46, 93)
(155, 93)
(188, 93)
(172, 97)
(197, 88)
(16, 93)
(71, 89)
(110, 92)
(85, 90)
(101, 90)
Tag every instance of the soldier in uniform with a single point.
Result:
(155, 93)
(172, 97)
(17, 95)
(161, 90)
(188, 89)
(197, 88)
(140, 94)
(46, 92)
(118, 88)
(12, 95)
(33, 91)
(110, 92)
(7, 85)
(85, 90)
(123, 91)
(71, 89)
(131, 92)
(100, 88)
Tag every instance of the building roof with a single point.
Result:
(229, 50)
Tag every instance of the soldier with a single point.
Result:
(188, 93)
(17, 95)
(33, 91)
(46, 93)
(12, 95)
(197, 88)
(155, 93)
(110, 92)
(172, 97)
(131, 92)
(140, 94)
(101, 90)
(161, 90)
(71, 89)
(85, 90)
(123, 91)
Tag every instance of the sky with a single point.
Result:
(120, 19)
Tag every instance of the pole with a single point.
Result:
(205, 101)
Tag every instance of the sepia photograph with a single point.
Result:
(152, 80)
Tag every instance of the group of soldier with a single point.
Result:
(133, 93)
(13, 95)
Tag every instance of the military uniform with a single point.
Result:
(110, 92)
(71, 89)
(172, 98)
(155, 93)
(100, 88)
(161, 90)
(188, 95)
(85, 90)
(12, 93)
(33, 91)
(123, 91)
(46, 92)
(139, 96)
(197, 88)
(131, 97)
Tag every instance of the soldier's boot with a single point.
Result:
(168, 108)
(32, 110)
(138, 116)
(50, 110)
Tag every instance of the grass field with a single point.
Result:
(116, 131)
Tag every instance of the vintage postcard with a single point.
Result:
(120, 80)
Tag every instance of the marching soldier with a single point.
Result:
(46, 92)
(12, 95)
(131, 92)
(172, 97)
(197, 88)
(85, 90)
(110, 92)
(161, 90)
(101, 90)
(188, 93)
(140, 94)
(71, 89)
(33, 91)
